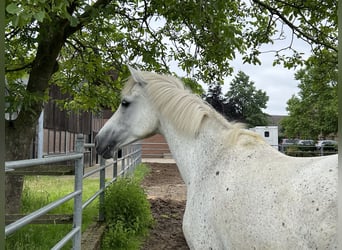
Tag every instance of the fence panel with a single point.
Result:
(130, 158)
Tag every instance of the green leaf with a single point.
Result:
(13, 8)
(73, 21)
(39, 16)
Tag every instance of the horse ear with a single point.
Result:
(137, 75)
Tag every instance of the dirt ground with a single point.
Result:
(167, 194)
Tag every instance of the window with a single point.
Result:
(267, 134)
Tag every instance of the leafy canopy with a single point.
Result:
(313, 113)
(247, 101)
(243, 102)
(93, 38)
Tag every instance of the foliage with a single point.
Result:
(314, 112)
(96, 37)
(140, 172)
(243, 102)
(92, 38)
(128, 214)
(246, 101)
(215, 98)
(126, 202)
(120, 237)
(192, 84)
(312, 21)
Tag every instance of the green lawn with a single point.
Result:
(41, 190)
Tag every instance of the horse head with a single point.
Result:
(134, 119)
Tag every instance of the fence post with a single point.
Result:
(77, 220)
(140, 152)
(137, 154)
(123, 165)
(102, 187)
(129, 159)
(115, 165)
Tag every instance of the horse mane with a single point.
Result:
(186, 110)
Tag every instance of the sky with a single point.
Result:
(278, 82)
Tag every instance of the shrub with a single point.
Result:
(128, 214)
(119, 237)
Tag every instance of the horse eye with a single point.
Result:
(124, 103)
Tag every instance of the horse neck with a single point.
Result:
(192, 154)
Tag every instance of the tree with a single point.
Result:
(243, 102)
(312, 21)
(74, 44)
(246, 101)
(216, 99)
(192, 84)
(314, 112)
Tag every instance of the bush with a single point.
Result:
(128, 214)
(119, 237)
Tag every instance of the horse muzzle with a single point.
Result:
(106, 150)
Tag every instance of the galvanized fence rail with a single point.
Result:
(130, 158)
(307, 151)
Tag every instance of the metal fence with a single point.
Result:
(128, 159)
(307, 151)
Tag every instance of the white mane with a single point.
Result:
(186, 110)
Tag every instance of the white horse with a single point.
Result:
(241, 193)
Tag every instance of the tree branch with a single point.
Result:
(151, 32)
(296, 29)
(86, 17)
(28, 65)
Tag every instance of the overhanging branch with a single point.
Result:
(87, 17)
(296, 29)
(28, 65)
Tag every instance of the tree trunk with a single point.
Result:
(13, 191)
(19, 133)
(53, 33)
(18, 146)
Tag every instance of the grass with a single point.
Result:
(41, 190)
